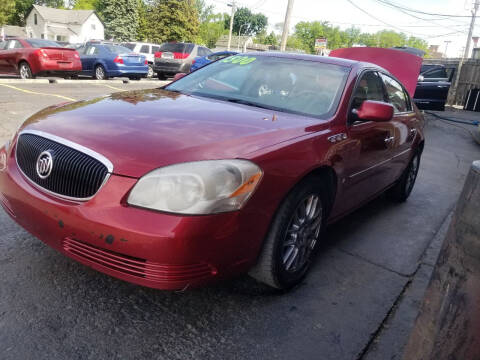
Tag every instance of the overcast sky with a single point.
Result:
(342, 13)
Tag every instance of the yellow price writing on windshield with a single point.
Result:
(239, 59)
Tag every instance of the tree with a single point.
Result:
(205, 12)
(85, 5)
(143, 24)
(263, 38)
(7, 9)
(173, 20)
(247, 23)
(211, 30)
(120, 18)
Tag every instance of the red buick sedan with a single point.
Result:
(37, 57)
(234, 168)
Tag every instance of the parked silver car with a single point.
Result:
(173, 58)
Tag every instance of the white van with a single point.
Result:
(146, 49)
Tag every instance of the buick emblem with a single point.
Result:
(44, 165)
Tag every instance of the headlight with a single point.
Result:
(202, 187)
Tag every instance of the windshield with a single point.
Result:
(296, 86)
(116, 49)
(39, 43)
(177, 48)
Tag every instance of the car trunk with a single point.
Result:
(60, 54)
(133, 59)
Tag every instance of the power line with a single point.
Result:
(427, 13)
(387, 3)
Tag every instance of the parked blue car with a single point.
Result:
(102, 61)
(201, 61)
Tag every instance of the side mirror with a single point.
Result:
(421, 78)
(178, 76)
(375, 111)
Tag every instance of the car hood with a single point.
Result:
(140, 131)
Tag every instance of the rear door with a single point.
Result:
(405, 123)
(3, 56)
(11, 56)
(88, 56)
(432, 88)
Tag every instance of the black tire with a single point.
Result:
(161, 76)
(404, 186)
(275, 266)
(100, 73)
(25, 71)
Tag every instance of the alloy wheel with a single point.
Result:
(302, 233)
(25, 72)
(150, 71)
(100, 73)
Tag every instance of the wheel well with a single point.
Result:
(329, 178)
(23, 61)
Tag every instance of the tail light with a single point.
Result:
(41, 53)
(180, 55)
(118, 60)
(193, 62)
(146, 62)
(158, 54)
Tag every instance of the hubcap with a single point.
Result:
(302, 233)
(24, 73)
(412, 174)
(100, 73)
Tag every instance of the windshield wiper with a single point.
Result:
(250, 103)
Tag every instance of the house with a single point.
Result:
(73, 26)
(7, 31)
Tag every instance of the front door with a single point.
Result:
(366, 152)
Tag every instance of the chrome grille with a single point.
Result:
(77, 172)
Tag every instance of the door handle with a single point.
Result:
(389, 139)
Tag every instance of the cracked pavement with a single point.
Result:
(358, 302)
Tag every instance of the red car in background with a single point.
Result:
(37, 57)
(236, 167)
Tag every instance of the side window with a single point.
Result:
(3, 45)
(436, 74)
(214, 57)
(145, 49)
(14, 44)
(155, 49)
(91, 50)
(395, 94)
(200, 52)
(369, 87)
(81, 50)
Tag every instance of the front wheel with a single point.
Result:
(25, 71)
(404, 186)
(293, 238)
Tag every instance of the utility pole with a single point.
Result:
(447, 42)
(286, 25)
(466, 54)
(234, 8)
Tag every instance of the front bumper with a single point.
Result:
(148, 248)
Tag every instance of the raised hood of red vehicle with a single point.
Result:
(404, 66)
(143, 130)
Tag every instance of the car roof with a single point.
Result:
(315, 58)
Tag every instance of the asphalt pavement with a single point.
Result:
(359, 301)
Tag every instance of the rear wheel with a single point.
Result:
(25, 71)
(100, 73)
(293, 238)
(403, 188)
(161, 76)
(150, 71)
